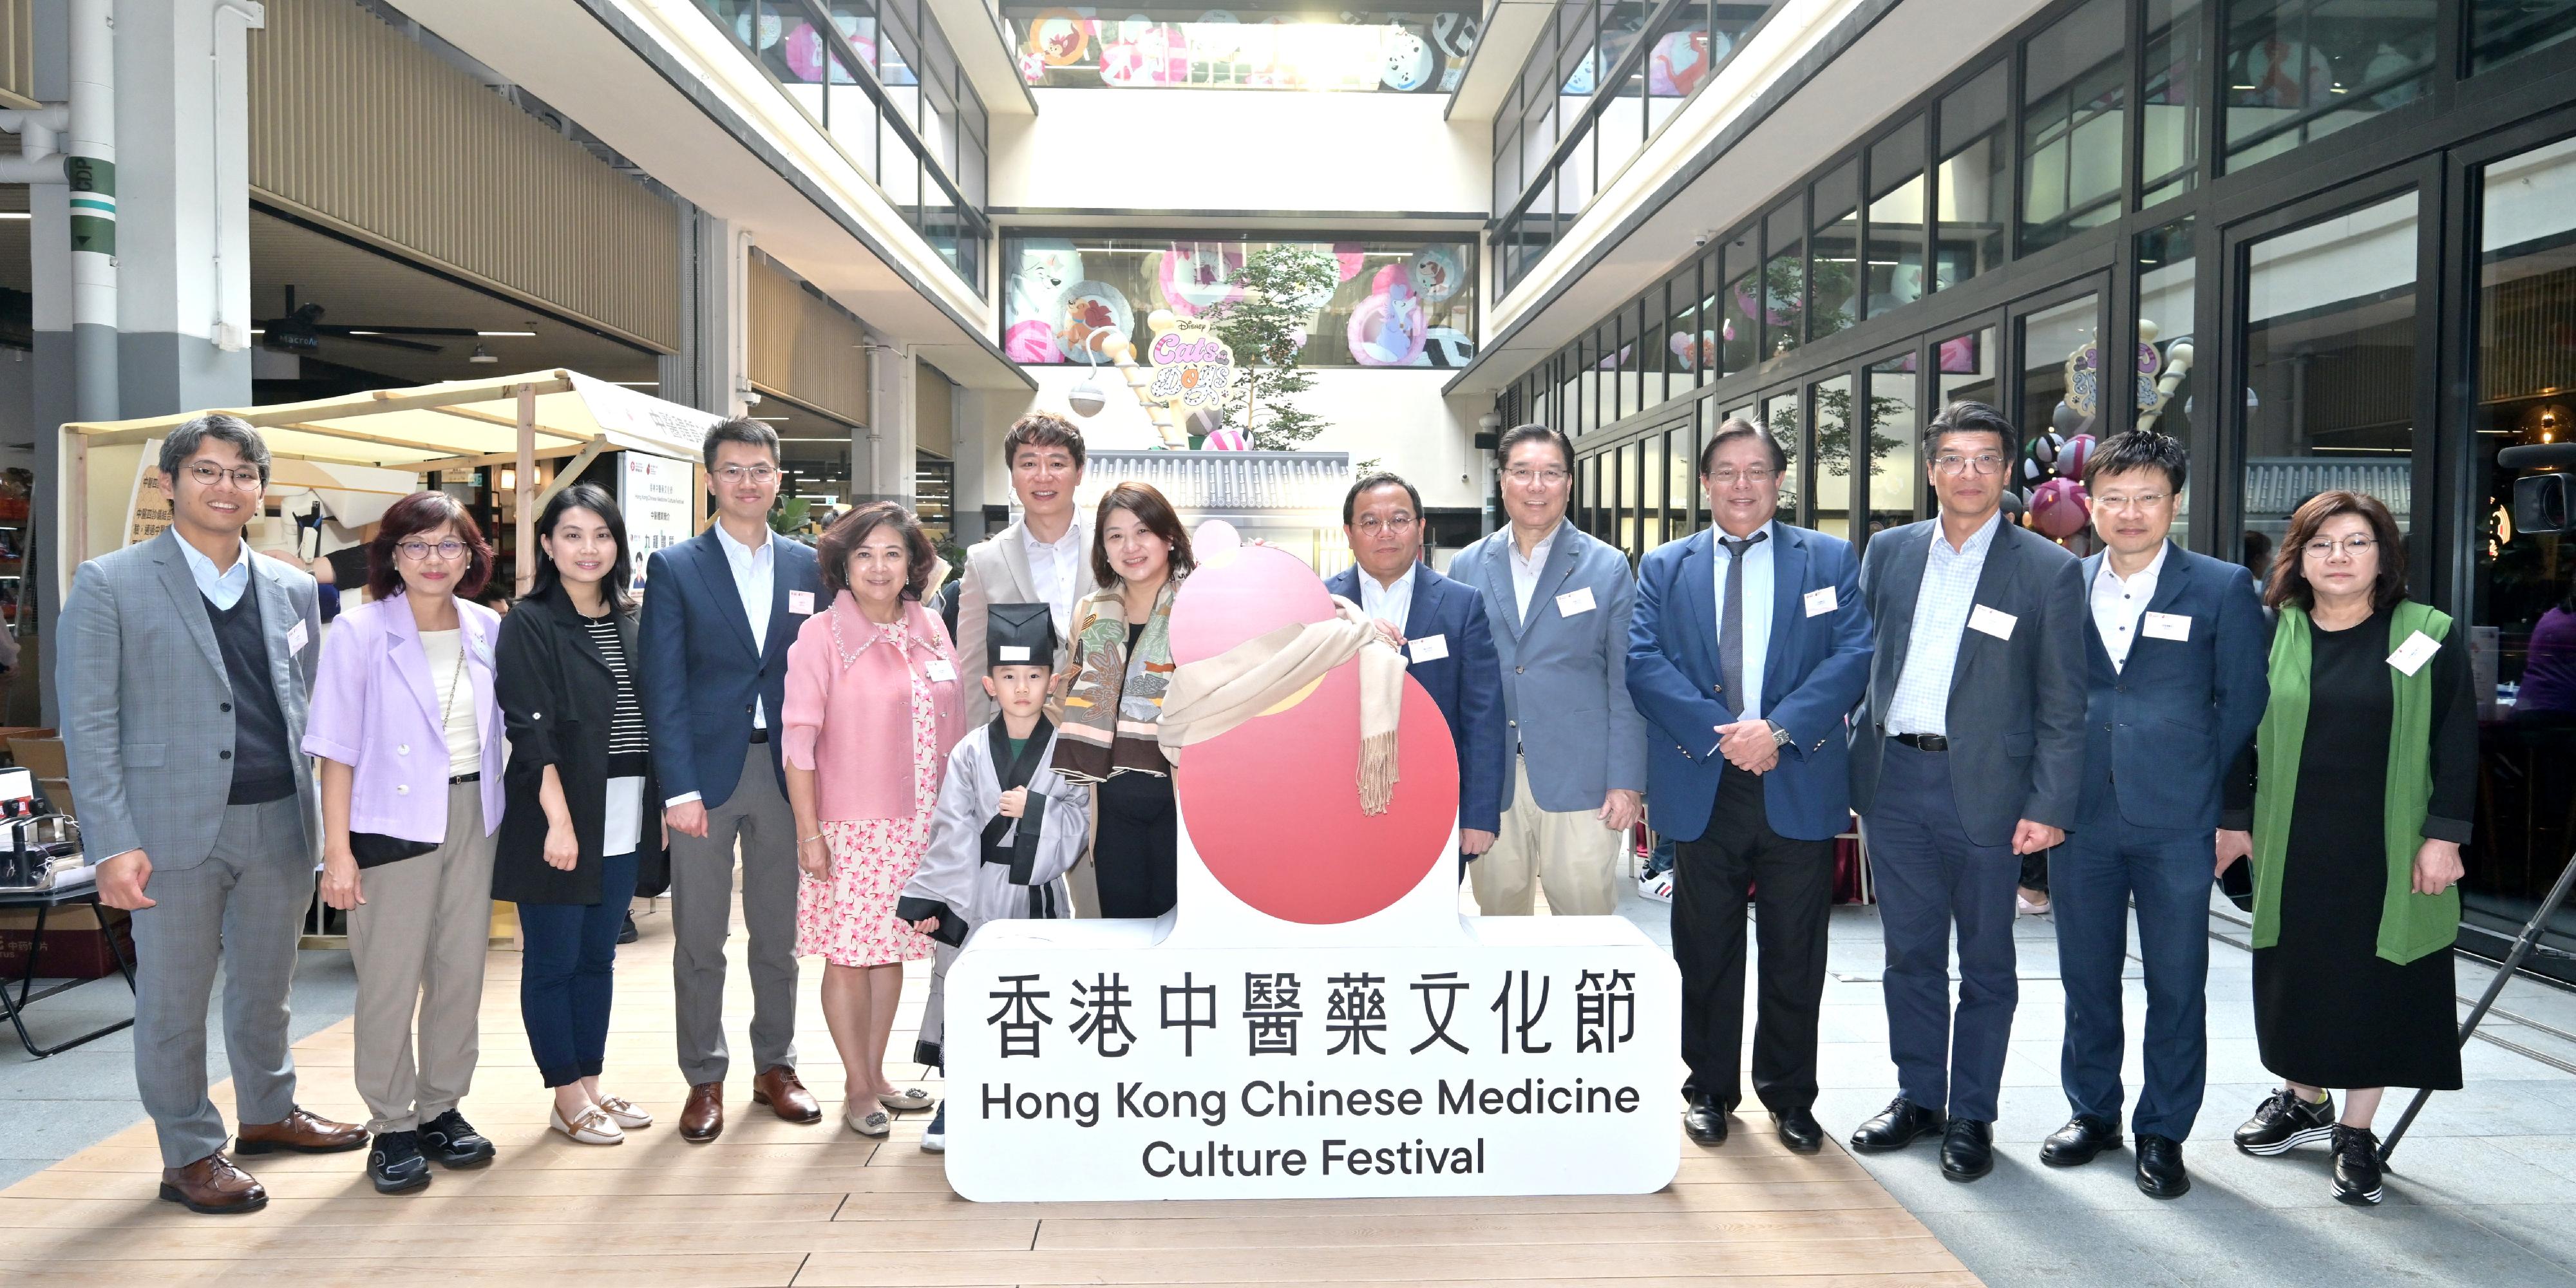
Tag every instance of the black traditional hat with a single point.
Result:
(1019, 635)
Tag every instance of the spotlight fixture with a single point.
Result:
(482, 354)
(1086, 399)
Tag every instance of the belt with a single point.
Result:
(760, 735)
(465, 778)
(1924, 741)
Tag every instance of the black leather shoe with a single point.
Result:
(1799, 1130)
(2160, 1174)
(2356, 1166)
(1967, 1149)
(1705, 1121)
(2075, 1144)
(450, 1141)
(1900, 1125)
(395, 1165)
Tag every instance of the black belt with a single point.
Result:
(1924, 741)
(465, 778)
(760, 735)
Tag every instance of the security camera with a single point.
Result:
(1701, 238)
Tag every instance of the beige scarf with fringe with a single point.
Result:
(1212, 695)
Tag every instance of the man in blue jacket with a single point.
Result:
(720, 610)
(2177, 648)
(1440, 625)
(1749, 648)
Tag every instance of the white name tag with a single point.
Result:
(1992, 621)
(2411, 655)
(482, 648)
(295, 637)
(1821, 601)
(801, 602)
(1014, 652)
(941, 671)
(2166, 626)
(1574, 602)
(1427, 648)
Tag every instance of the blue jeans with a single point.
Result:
(568, 975)
(2103, 864)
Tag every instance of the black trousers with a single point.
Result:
(1136, 856)
(1791, 885)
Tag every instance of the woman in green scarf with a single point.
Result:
(1122, 666)
(2368, 771)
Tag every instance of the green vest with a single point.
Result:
(2411, 925)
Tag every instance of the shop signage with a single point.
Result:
(1192, 368)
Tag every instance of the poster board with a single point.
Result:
(656, 493)
(147, 503)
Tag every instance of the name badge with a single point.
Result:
(1821, 601)
(1014, 652)
(1575, 602)
(801, 602)
(1992, 621)
(1427, 648)
(2166, 626)
(941, 671)
(2411, 655)
(482, 648)
(295, 637)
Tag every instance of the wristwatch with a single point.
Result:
(1778, 734)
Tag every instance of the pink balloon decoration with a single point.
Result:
(2059, 508)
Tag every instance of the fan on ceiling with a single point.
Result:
(302, 329)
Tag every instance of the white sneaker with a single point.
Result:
(934, 1140)
(623, 1112)
(591, 1128)
(1657, 886)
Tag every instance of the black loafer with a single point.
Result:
(1968, 1149)
(1705, 1121)
(1901, 1124)
(395, 1165)
(2076, 1143)
(2160, 1174)
(1799, 1130)
(450, 1141)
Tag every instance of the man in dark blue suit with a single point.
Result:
(720, 610)
(2178, 650)
(1749, 647)
(1440, 625)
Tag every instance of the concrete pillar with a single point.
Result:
(881, 455)
(710, 372)
(55, 373)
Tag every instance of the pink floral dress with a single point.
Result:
(848, 919)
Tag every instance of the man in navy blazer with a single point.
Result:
(1440, 625)
(720, 610)
(1749, 648)
(2177, 652)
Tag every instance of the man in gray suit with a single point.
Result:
(1969, 753)
(186, 662)
(1559, 603)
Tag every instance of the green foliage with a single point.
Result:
(788, 517)
(1282, 286)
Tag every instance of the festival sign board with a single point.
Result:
(1192, 368)
(1315, 1019)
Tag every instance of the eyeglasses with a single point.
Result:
(1727, 476)
(2325, 547)
(732, 474)
(1982, 463)
(1372, 525)
(2145, 501)
(208, 474)
(1523, 476)
(419, 551)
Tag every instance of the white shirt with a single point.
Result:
(1757, 612)
(2117, 605)
(223, 589)
(1055, 572)
(755, 576)
(1525, 570)
(1392, 603)
(446, 650)
(1949, 590)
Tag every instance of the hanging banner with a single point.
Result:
(656, 493)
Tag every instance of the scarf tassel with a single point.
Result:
(1377, 772)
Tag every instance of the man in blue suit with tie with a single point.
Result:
(2177, 652)
(720, 610)
(1440, 625)
(1749, 648)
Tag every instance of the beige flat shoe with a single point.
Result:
(875, 1124)
(907, 1101)
(623, 1112)
(591, 1128)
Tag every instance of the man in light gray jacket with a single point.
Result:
(185, 665)
(1559, 603)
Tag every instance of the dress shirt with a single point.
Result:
(1941, 606)
(223, 589)
(1757, 610)
(1525, 570)
(1055, 572)
(755, 575)
(2117, 604)
(1392, 603)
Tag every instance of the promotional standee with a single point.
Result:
(1315, 1018)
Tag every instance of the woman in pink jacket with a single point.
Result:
(868, 679)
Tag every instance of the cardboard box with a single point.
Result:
(75, 944)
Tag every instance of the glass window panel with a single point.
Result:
(1629, 365)
(1677, 64)
(2166, 352)
(1684, 508)
(1507, 166)
(1650, 493)
(1833, 269)
(1893, 271)
(1679, 356)
(1569, 390)
(2298, 70)
(2061, 397)
(1621, 127)
(851, 117)
(1587, 508)
(2329, 321)
(2074, 82)
(1975, 180)
(1739, 333)
(1894, 478)
(1966, 368)
(1780, 416)
(1830, 406)
(1784, 283)
(2503, 30)
(1627, 531)
(2169, 112)
(1419, 51)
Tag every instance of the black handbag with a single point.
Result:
(374, 849)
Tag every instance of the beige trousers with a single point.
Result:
(1570, 854)
(418, 944)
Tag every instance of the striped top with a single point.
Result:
(628, 749)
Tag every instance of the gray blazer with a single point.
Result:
(1564, 678)
(147, 706)
(997, 572)
(2016, 714)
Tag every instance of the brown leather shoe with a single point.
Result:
(214, 1186)
(300, 1131)
(702, 1119)
(778, 1088)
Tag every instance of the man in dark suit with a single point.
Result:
(2177, 650)
(720, 610)
(1969, 754)
(1440, 625)
(1749, 648)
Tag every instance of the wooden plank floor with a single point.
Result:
(776, 1204)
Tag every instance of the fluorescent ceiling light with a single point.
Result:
(16, 214)
(517, 333)
(638, 384)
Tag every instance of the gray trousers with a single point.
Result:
(757, 816)
(240, 908)
(418, 942)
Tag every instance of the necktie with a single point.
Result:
(1730, 630)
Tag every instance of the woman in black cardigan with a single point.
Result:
(580, 832)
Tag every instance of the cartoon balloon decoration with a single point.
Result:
(1447, 347)
(1197, 276)
(1455, 33)
(1678, 64)
(2059, 508)
(1436, 273)
(1061, 37)
(1388, 328)
(1349, 259)
(1409, 62)
(2039, 459)
(1032, 341)
(1097, 317)
(2074, 456)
